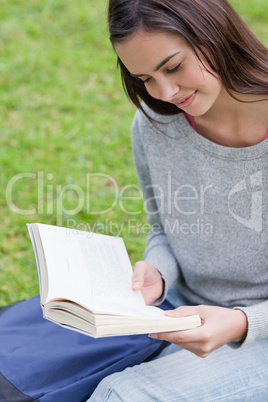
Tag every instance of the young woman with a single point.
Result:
(199, 79)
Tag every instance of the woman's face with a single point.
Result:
(170, 71)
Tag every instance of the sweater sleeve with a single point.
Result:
(257, 316)
(158, 251)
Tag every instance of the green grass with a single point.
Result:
(64, 118)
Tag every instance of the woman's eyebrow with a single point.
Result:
(158, 66)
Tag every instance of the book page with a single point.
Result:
(91, 269)
(102, 261)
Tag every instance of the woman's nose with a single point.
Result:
(168, 91)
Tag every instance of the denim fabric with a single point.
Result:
(226, 375)
(177, 375)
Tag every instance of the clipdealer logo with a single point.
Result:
(244, 200)
(252, 185)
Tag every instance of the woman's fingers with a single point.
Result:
(147, 279)
(139, 271)
(219, 326)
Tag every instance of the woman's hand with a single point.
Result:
(148, 280)
(219, 326)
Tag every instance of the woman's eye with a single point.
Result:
(147, 80)
(174, 70)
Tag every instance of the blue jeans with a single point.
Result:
(177, 375)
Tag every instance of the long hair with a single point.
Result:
(211, 27)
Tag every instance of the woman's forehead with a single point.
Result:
(148, 49)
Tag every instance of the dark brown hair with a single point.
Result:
(211, 27)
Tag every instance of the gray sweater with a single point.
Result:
(208, 208)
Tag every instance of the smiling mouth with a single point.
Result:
(186, 101)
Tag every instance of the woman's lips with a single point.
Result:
(187, 101)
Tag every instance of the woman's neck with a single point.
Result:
(233, 123)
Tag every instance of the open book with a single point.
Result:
(85, 285)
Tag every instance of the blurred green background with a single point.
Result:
(65, 149)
